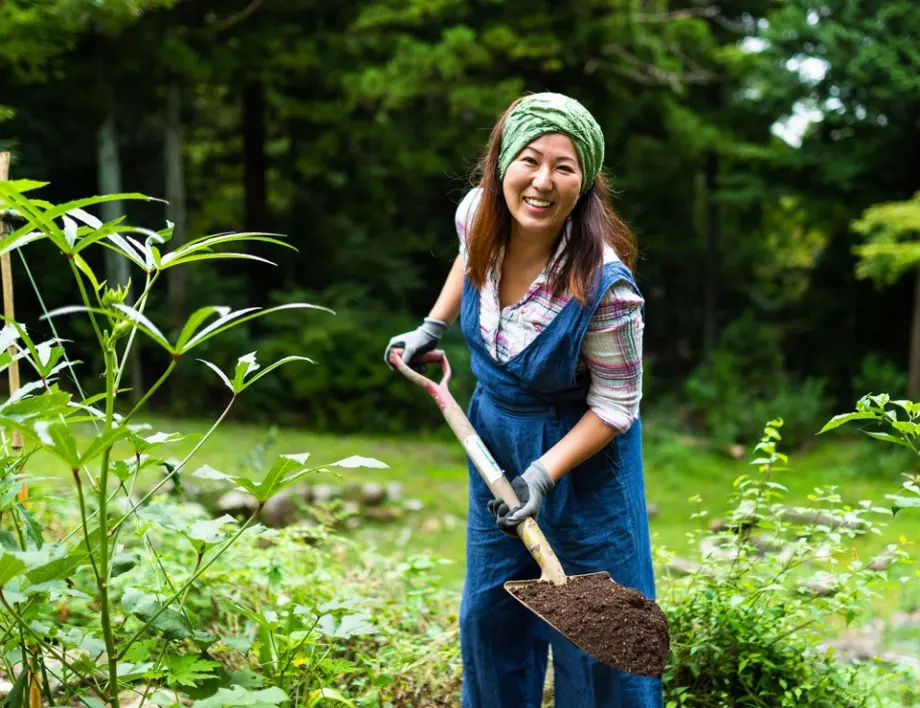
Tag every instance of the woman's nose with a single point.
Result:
(542, 179)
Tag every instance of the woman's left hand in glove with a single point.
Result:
(530, 488)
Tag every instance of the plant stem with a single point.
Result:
(83, 521)
(140, 305)
(178, 467)
(103, 581)
(85, 297)
(151, 391)
(137, 635)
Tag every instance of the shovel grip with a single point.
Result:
(482, 459)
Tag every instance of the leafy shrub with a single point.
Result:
(351, 389)
(878, 374)
(745, 626)
(743, 383)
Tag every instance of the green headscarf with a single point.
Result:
(544, 113)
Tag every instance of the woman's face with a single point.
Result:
(542, 184)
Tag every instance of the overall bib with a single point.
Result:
(595, 519)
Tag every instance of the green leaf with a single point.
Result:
(899, 502)
(124, 562)
(839, 420)
(143, 323)
(188, 670)
(10, 566)
(171, 623)
(232, 319)
(208, 532)
(327, 693)
(239, 696)
(16, 697)
(271, 367)
(889, 438)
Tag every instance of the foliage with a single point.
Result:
(136, 629)
(892, 247)
(745, 626)
(879, 374)
(744, 383)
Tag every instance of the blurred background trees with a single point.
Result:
(750, 143)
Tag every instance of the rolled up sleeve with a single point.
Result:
(612, 351)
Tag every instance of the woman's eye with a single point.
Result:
(529, 160)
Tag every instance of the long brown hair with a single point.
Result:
(594, 223)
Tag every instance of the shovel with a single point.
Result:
(615, 624)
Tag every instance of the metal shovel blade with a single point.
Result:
(613, 623)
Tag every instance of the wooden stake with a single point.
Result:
(9, 311)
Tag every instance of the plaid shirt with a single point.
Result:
(611, 350)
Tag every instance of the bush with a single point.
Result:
(878, 374)
(743, 384)
(746, 626)
(351, 389)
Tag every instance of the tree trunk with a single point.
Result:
(117, 270)
(713, 229)
(175, 195)
(913, 365)
(117, 267)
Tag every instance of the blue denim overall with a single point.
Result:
(595, 519)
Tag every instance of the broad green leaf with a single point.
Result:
(16, 698)
(188, 670)
(57, 437)
(888, 437)
(208, 532)
(899, 502)
(355, 625)
(839, 420)
(11, 565)
(171, 623)
(326, 693)
(207, 472)
(239, 696)
(244, 366)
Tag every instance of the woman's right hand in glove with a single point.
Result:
(420, 340)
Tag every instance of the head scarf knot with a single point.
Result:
(542, 113)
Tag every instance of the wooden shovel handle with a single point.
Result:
(483, 461)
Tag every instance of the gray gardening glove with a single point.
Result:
(530, 488)
(419, 341)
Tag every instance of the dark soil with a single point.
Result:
(615, 624)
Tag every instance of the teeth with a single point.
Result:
(536, 202)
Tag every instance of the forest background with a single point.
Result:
(764, 152)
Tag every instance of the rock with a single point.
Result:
(431, 525)
(5, 686)
(451, 522)
(326, 492)
(279, 511)
(394, 492)
(652, 510)
(413, 505)
(352, 508)
(681, 566)
(383, 513)
(717, 525)
(352, 523)
(882, 562)
(736, 452)
(372, 493)
(808, 518)
(237, 503)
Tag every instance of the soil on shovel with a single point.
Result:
(616, 624)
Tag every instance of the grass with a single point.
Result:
(433, 471)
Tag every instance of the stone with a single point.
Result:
(372, 493)
(350, 507)
(352, 523)
(237, 503)
(652, 510)
(431, 525)
(413, 505)
(383, 513)
(279, 511)
(736, 452)
(394, 492)
(323, 493)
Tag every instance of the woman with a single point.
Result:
(551, 313)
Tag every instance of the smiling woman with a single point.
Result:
(554, 322)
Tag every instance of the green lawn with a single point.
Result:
(433, 471)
